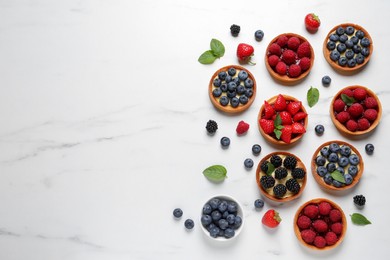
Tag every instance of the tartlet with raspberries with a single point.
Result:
(289, 58)
(355, 110)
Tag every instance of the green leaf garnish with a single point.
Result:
(207, 57)
(215, 173)
(338, 176)
(312, 96)
(278, 126)
(270, 168)
(277, 121)
(347, 99)
(359, 219)
(217, 48)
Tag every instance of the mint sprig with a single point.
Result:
(359, 219)
(217, 50)
(313, 94)
(347, 99)
(338, 176)
(278, 126)
(216, 173)
(270, 168)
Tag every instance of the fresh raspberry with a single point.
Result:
(331, 238)
(242, 127)
(356, 110)
(371, 114)
(347, 92)
(286, 134)
(303, 222)
(293, 107)
(308, 235)
(282, 40)
(319, 242)
(285, 117)
(267, 125)
(311, 211)
(293, 43)
(324, 208)
(281, 68)
(269, 111)
(299, 116)
(273, 60)
(298, 128)
(305, 63)
(289, 57)
(363, 124)
(352, 125)
(359, 94)
(280, 103)
(294, 71)
(275, 49)
(338, 105)
(370, 102)
(335, 215)
(304, 50)
(337, 228)
(320, 226)
(343, 117)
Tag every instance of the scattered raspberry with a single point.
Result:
(338, 105)
(269, 111)
(347, 92)
(294, 71)
(343, 117)
(289, 57)
(267, 125)
(273, 60)
(299, 116)
(304, 50)
(356, 110)
(282, 41)
(363, 124)
(305, 63)
(331, 238)
(352, 125)
(281, 68)
(335, 215)
(311, 211)
(304, 222)
(324, 208)
(337, 228)
(285, 117)
(371, 114)
(308, 235)
(370, 102)
(319, 242)
(293, 43)
(275, 49)
(359, 93)
(320, 226)
(294, 107)
(242, 127)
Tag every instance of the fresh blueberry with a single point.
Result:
(334, 147)
(349, 54)
(353, 170)
(360, 34)
(331, 45)
(248, 163)
(240, 89)
(335, 55)
(224, 100)
(259, 203)
(230, 218)
(341, 47)
(211, 226)
(222, 207)
(325, 151)
(340, 31)
(234, 102)
(237, 221)
(259, 34)
(236, 80)
(365, 42)
(351, 63)
(214, 231)
(207, 209)
(365, 52)
(319, 129)
(231, 95)
(249, 93)
(216, 215)
(349, 30)
(232, 207)
(225, 141)
(340, 169)
(228, 79)
(243, 99)
(206, 220)
(229, 233)
(256, 149)
(337, 184)
(177, 213)
(348, 179)
(331, 167)
(248, 83)
(326, 80)
(217, 82)
(223, 87)
(320, 160)
(321, 171)
(349, 44)
(232, 71)
(345, 150)
(189, 224)
(359, 58)
(225, 214)
(343, 161)
(328, 179)
(223, 224)
(231, 86)
(222, 75)
(214, 203)
(342, 61)
(243, 75)
(217, 92)
(343, 38)
(354, 159)
(334, 37)
(357, 49)
(354, 39)
(369, 148)
(333, 157)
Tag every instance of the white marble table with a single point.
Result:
(103, 108)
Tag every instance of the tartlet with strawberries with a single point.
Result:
(355, 110)
(320, 224)
(282, 120)
(289, 58)
(281, 176)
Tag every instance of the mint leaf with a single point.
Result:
(217, 48)
(215, 173)
(270, 168)
(312, 96)
(347, 99)
(338, 176)
(207, 57)
(359, 219)
(278, 133)
(278, 126)
(277, 121)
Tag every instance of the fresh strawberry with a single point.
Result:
(312, 22)
(298, 128)
(293, 107)
(280, 103)
(299, 116)
(286, 134)
(267, 125)
(285, 117)
(271, 218)
(245, 53)
(269, 111)
(294, 71)
(242, 127)
(304, 50)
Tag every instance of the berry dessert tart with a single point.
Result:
(232, 89)
(320, 224)
(281, 176)
(355, 110)
(289, 58)
(347, 48)
(222, 218)
(337, 166)
(282, 120)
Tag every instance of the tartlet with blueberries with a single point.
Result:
(232, 89)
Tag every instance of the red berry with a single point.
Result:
(337, 228)
(370, 102)
(293, 43)
(299, 116)
(304, 50)
(311, 211)
(267, 125)
(319, 242)
(281, 68)
(271, 218)
(331, 238)
(286, 134)
(352, 125)
(347, 92)
(294, 71)
(356, 110)
(289, 57)
(338, 105)
(324, 208)
(298, 128)
(293, 107)
(273, 60)
(285, 117)
(269, 111)
(363, 124)
(371, 114)
(312, 22)
(335, 215)
(343, 117)
(359, 93)
(280, 103)
(244, 52)
(282, 40)
(320, 226)
(305, 63)
(274, 48)
(308, 235)
(303, 222)
(242, 127)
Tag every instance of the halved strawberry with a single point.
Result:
(269, 111)
(299, 116)
(285, 117)
(298, 128)
(280, 103)
(286, 134)
(267, 125)
(294, 107)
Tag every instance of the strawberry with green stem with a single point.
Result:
(271, 219)
(245, 53)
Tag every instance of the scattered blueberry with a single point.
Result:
(189, 224)
(259, 203)
(225, 141)
(369, 148)
(256, 149)
(259, 34)
(319, 129)
(248, 163)
(326, 80)
(177, 213)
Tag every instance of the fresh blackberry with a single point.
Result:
(280, 173)
(276, 160)
(359, 200)
(267, 181)
(293, 185)
(279, 190)
(298, 173)
(264, 166)
(290, 162)
(211, 126)
(235, 30)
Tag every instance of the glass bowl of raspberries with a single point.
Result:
(289, 58)
(355, 110)
(320, 224)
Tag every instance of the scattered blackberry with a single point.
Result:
(359, 200)
(280, 190)
(264, 166)
(267, 181)
(211, 126)
(298, 173)
(280, 173)
(276, 160)
(290, 162)
(235, 30)
(293, 185)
